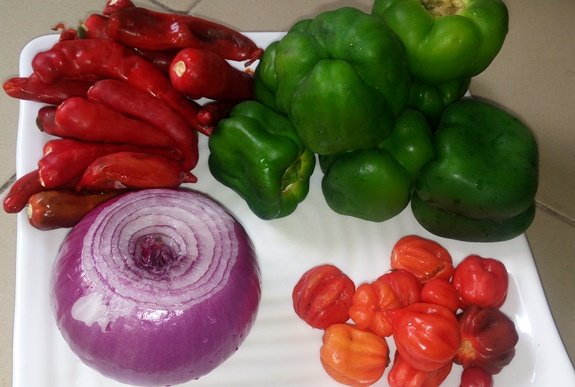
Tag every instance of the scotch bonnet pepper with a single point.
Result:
(341, 77)
(446, 39)
(482, 184)
(257, 153)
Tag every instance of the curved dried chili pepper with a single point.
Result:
(33, 89)
(133, 170)
(105, 58)
(141, 105)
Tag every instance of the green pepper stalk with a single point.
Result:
(257, 153)
(447, 39)
(341, 77)
(482, 184)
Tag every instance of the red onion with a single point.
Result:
(156, 287)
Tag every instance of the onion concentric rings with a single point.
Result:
(156, 287)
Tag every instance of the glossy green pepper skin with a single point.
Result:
(375, 184)
(432, 99)
(341, 77)
(411, 141)
(257, 153)
(485, 170)
(447, 39)
(368, 184)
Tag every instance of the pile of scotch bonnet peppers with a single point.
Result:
(121, 105)
(380, 99)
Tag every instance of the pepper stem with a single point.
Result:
(439, 8)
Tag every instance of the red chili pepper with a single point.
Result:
(424, 258)
(402, 374)
(33, 89)
(488, 339)
(144, 28)
(481, 281)
(138, 104)
(95, 26)
(62, 208)
(201, 73)
(105, 58)
(212, 112)
(115, 5)
(66, 33)
(67, 159)
(322, 296)
(133, 170)
(159, 58)
(24, 187)
(87, 120)
(427, 335)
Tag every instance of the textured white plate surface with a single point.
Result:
(280, 350)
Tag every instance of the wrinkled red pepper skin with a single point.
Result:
(402, 374)
(481, 281)
(136, 103)
(405, 285)
(18, 195)
(87, 120)
(105, 58)
(475, 377)
(64, 160)
(62, 208)
(422, 257)
(144, 28)
(488, 339)
(133, 170)
(322, 296)
(201, 73)
(427, 335)
(440, 291)
(33, 89)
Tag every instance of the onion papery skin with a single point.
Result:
(155, 326)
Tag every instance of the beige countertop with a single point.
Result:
(533, 76)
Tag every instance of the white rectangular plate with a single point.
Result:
(280, 350)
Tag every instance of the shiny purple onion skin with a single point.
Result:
(169, 345)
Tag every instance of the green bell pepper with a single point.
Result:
(432, 99)
(341, 77)
(482, 184)
(368, 184)
(375, 184)
(257, 153)
(447, 39)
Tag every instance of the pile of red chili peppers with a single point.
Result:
(122, 98)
